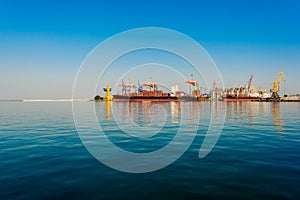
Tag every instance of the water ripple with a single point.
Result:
(257, 155)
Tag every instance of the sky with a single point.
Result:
(43, 43)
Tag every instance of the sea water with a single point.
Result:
(257, 154)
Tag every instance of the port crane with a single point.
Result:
(192, 82)
(249, 83)
(152, 86)
(127, 88)
(276, 84)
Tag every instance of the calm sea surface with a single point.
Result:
(257, 155)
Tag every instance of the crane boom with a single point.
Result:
(282, 75)
(250, 82)
(276, 84)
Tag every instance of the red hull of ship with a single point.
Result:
(152, 98)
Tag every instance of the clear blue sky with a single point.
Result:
(43, 43)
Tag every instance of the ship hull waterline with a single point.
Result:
(235, 99)
(153, 98)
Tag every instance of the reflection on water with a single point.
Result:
(242, 112)
(151, 113)
(252, 114)
(145, 119)
(40, 148)
(277, 122)
(146, 113)
(107, 109)
(175, 112)
(140, 113)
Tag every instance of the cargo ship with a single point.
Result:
(131, 92)
(230, 98)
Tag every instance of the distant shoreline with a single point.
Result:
(45, 100)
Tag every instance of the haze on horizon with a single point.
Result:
(43, 43)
